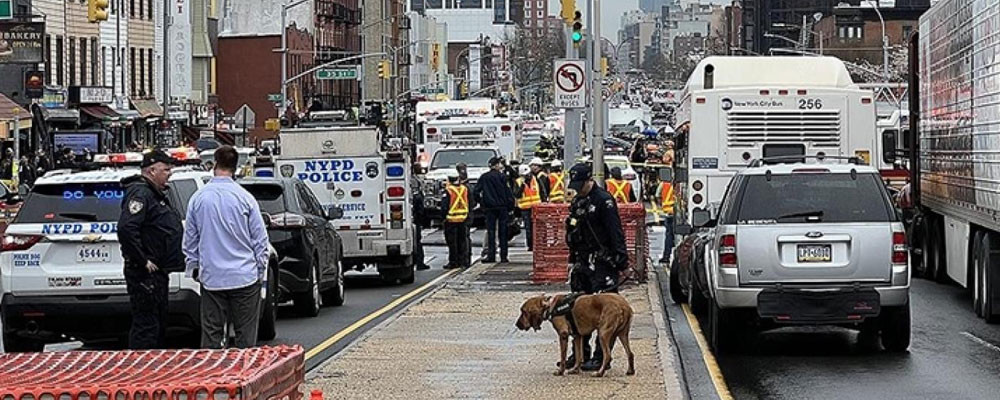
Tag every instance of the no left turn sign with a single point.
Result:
(570, 81)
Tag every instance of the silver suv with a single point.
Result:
(805, 244)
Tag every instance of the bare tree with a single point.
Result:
(532, 57)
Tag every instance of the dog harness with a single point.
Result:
(564, 308)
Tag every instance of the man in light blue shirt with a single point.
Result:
(225, 243)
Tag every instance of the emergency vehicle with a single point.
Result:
(737, 109)
(500, 131)
(347, 168)
(428, 111)
(61, 265)
(476, 155)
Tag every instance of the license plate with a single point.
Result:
(93, 253)
(815, 253)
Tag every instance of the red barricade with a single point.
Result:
(551, 253)
(257, 373)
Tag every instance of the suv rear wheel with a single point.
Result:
(309, 302)
(895, 324)
(335, 295)
(724, 330)
(676, 290)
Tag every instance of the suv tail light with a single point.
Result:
(899, 252)
(288, 220)
(18, 242)
(727, 251)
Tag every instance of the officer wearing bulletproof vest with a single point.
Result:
(596, 242)
(150, 234)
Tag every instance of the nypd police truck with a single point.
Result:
(345, 166)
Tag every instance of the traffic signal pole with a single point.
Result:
(572, 122)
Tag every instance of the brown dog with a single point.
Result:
(607, 313)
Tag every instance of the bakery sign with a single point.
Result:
(22, 42)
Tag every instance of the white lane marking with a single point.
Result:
(981, 341)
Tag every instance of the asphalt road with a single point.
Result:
(953, 355)
(365, 295)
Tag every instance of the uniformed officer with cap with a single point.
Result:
(455, 207)
(596, 242)
(150, 234)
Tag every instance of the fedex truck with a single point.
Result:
(737, 109)
(346, 167)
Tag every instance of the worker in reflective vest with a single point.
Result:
(666, 196)
(528, 194)
(456, 228)
(557, 183)
(619, 188)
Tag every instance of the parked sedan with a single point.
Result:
(309, 248)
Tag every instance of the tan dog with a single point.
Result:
(607, 313)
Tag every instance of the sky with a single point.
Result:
(611, 13)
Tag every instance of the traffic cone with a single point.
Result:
(316, 394)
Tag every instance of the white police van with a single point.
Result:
(61, 265)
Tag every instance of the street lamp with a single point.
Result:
(885, 39)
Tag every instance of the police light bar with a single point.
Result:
(118, 158)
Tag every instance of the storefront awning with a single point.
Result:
(147, 108)
(9, 109)
(61, 115)
(101, 112)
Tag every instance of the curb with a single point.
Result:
(674, 384)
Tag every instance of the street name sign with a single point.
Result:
(337, 74)
(570, 82)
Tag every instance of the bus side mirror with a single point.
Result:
(889, 146)
(666, 175)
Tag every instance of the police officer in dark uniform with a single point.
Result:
(150, 234)
(596, 242)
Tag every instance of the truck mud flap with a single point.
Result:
(801, 306)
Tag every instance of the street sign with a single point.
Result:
(244, 117)
(6, 9)
(337, 74)
(274, 97)
(569, 82)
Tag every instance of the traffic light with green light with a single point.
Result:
(577, 28)
(97, 10)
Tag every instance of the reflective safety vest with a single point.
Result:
(530, 195)
(458, 208)
(557, 187)
(667, 198)
(619, 189)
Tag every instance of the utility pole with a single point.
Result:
(597, 102)
(571, 124)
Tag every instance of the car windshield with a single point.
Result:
(528, 143)
(811, 198)
(72, 202)
(479, 158)
(269, 196)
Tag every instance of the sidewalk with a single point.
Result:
(460, 342)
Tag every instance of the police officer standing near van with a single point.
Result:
(596, 242)
(150, 234)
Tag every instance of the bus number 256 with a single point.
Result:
(810, 104)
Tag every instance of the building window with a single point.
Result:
(72, 61)
(83, 61)
(59, 60)
(104, 64)
(149, 84)
(527, 22)
(48, 60)
(94, 66)
(131, 66)
(149, 6)
(541, 4)
(142, 72)
(131, 8)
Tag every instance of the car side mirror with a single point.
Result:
(702, 218)
(13, 199)
(666, 174)
(267, 219)
(889, 146)
(334, 212)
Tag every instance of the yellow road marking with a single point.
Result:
(713, 367)
(377, 313)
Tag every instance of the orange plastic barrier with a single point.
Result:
(551, 254)
(256, 373)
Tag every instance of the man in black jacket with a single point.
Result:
(493, 194)
(150, 234)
